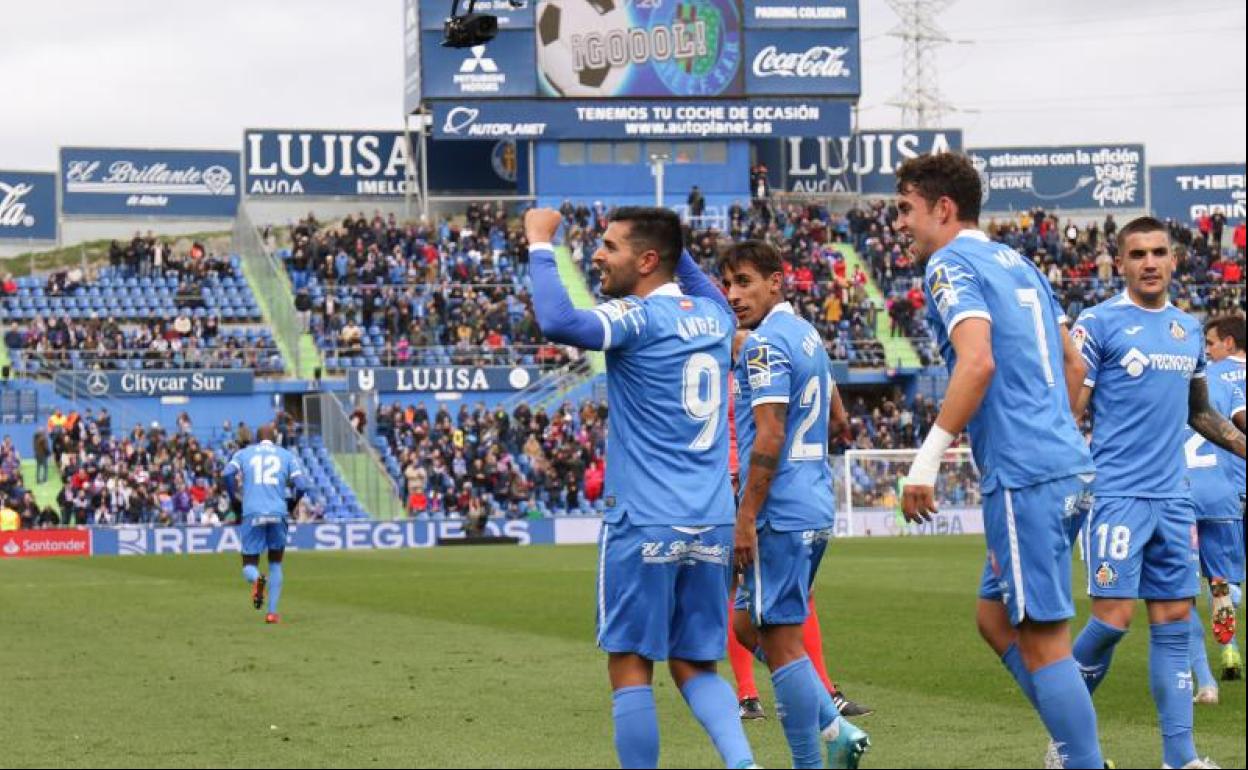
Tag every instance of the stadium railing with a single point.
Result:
(272, 287)
(356, 460)
(338, 358)
(262, 360)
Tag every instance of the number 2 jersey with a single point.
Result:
(783, 362)
(1140, 364)
(1216, 475)
(1023, 433)
(668, 356)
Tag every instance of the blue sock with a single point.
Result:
(1197, 655)
(275, 586)
(797, 703)
(1013, 661)
(1065, 707)
(1094, 649)
(713, 702)
(1171, 684)
(251, 573)
(636, 727)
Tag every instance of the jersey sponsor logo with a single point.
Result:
(1106, 576)
(1177, 331)
(1131, 331)
(683, 551)
(1134, 362)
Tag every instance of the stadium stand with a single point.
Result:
(522, 463)
(374, 293)
(187, 312)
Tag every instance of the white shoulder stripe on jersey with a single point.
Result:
(606, 328)
(966, 314)
(1091, 383)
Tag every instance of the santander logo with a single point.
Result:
(821, 61)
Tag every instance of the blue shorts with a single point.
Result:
(1030, 532)
(1222, 549)
(263, 533)
(661, 590)
(1142, 548)
(776, 589)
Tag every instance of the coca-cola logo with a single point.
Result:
(821, 61)
(12, 210)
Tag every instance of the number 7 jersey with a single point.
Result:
(668, 357)
(783, 362)
(1023, 433)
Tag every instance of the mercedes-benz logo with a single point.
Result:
(97, 383)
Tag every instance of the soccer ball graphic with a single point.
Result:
(558, 21)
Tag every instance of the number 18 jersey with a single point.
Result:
(1023, 433)
(783, 362)
(668, 357)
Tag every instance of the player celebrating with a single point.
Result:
(1217, 483)
(266, 470)
(1146, 379)
(997, 323)
(665, 551)
(782, 388)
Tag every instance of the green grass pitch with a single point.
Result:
(485, 657)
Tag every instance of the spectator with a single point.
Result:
(41, 452)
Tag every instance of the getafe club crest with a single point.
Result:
(1177, 331)
(1106, 575)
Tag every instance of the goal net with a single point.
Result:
(869, 501)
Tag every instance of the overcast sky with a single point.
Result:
(194, 75)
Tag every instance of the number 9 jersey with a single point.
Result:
(668, 358)
(783, 362)
(1023, 433)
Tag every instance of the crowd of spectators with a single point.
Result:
(818, 280)
(185, 341)
(492, 462)
(454, 293)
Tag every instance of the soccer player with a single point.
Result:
(1145, 380)
(666, 546)
(258, 477)
(782, 388)
(1217, 483)
(997, 323)
(741, 659)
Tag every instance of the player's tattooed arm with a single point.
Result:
(764, 460)
(1074, 370)
(1206, 420)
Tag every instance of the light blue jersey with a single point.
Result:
(266, 470)
(783, 362)
(1024, 433)
(1140, 364)
(1216, 475)
(668, 360)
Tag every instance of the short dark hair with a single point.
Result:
(943, 175)
(763, 256)
(1227, 326)
(651, 227)
(1140, 225)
